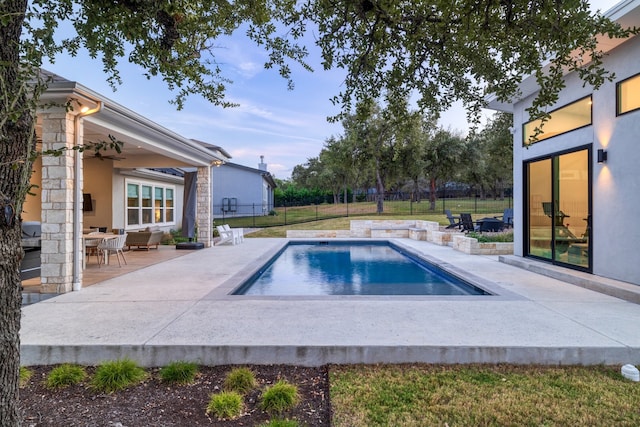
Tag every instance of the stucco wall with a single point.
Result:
(616, 183)
(32, 207)
(97, 182)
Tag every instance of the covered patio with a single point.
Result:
(115, 182)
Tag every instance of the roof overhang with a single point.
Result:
(146, 143)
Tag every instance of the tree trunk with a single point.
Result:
(16, 137)
(379, 189)
(432, 194)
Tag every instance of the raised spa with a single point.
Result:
(351, 268)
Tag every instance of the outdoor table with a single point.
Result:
(490, 224)
(90, 238)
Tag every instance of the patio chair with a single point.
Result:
(467, 223)
(91, 242)
(238, 233)
(113, 244)
(226, 236)
(454, 221)
(506, 217)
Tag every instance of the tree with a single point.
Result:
(441, 51)
(442, 156)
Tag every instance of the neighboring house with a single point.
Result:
(130, 190)
(579, 184)
(242, 191)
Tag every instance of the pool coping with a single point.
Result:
(226, 289)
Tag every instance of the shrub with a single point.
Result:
(280, 397)
(227, 404)
(241, 380)
(25, 375)
(65, 375)
(502, 236)
(117, 375)
(179, 372)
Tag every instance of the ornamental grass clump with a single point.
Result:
(225, 405)
(280, 397)
(240, 380)
(179, 372)
(65, 375)
(117, 375)
(25, 376)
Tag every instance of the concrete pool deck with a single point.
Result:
(180, 310)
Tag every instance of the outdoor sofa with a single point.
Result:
(150, 236)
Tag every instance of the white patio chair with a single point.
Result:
(113, 244)
(226, 236)
(238, 233)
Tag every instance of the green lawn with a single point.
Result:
(404, 209)
(481, 395)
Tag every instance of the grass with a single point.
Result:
(405, 209)
(117, 375)
(280, 423)
(280, 397)
(420, 395)
(227, 404)
(65, 375)
(179, 372)
(240, 380)
(25, 375)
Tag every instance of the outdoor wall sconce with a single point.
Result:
(602, 156)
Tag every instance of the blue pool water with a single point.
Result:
(348, 268)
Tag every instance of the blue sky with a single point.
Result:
(287, 127)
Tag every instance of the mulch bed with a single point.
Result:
(154, 403)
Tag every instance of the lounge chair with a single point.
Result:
(226, 236)
(506, 217)
(467, 223)
(237, 232)
(454, 221)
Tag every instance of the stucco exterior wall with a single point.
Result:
(616, 183)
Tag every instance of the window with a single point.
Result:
(628, 94)
(149, 204)
(562, 120)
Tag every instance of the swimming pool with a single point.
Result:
(351, 268)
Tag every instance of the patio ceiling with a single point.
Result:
(146, 143)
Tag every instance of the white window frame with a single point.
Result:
(140, 209)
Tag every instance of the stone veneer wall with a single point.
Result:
(203, 211)
(57, 192)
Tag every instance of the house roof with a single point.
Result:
(626, 13)
(146, 143)
(265, 175)
(214, 148)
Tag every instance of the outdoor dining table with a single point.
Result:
(91, 240)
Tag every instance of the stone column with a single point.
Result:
(58, 188)
(203, 208)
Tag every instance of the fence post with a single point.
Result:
(347, 202)
(411, 206)
(285, 214)
(316, 212)
(253, 207)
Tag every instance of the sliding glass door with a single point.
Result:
(558, 208)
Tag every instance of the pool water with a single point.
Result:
(346, 268)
